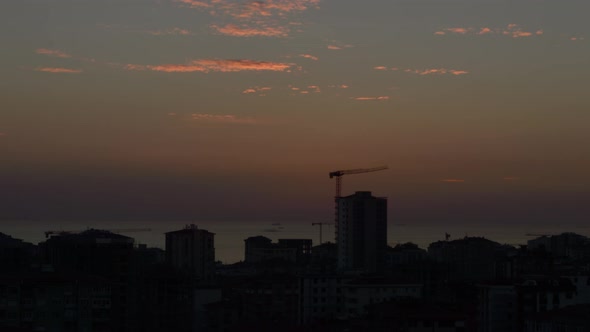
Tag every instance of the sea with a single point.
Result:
(230, 235)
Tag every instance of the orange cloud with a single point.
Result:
(458, 72)
(309, 56)
(380, 98)
(235, 31)
(257, 90)
(380, 68)
(196, 3)
(440, 33)
(59, 70)
(242, 65)
(53, 53)
(214, 65)
(460, 31)
(267, 8)
(213, 118)
(453, 180)
(517, 34)
(484, 31)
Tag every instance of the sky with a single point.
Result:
(238, 109)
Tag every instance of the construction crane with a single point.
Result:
(338, 175)
(321, 224)
(122, 230)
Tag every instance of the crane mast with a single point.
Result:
(338, 175)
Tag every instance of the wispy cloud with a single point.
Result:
(171, 31)
(336, 46)
(196, 3)
(245, 31)
(263, 9)
(261, 91)
(452, 180)
(512, 30)
(264, 17)
(214, 65)
(52, 53)
(168, 68)
(340, 86)
(380, 98)
(231, 119)
(58, 70)
(309, 56)
(423, 72)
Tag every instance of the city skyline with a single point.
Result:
(237, 110)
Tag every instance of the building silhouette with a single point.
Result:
(192, 249)
(102, 254)
(361, 235)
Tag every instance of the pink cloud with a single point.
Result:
(309, 56)
(214, 65)
(235, 31)
(440, 33)
(53, 53)
(213, 118)
(380, 68)
(334, 47)
(539, 32)
(57, 70)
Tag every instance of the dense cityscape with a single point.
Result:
(100, 280)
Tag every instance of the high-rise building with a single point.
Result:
(192, 249)
(361, 234)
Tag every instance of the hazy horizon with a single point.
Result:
(238, 110)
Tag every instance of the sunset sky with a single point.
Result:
(238, 110)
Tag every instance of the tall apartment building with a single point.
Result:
(192, 249)
(361, 234)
